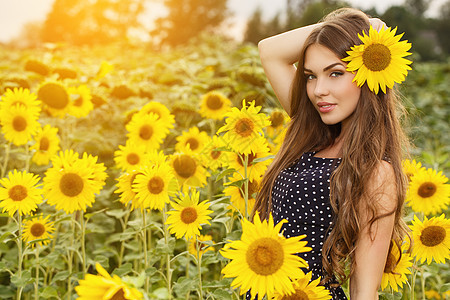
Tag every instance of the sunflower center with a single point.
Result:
(376, 57)
(133, 159)
(265, 256)
(37, 229)
(185, 166)
(19, 123)
(18, 193)
(432, 236)
(155, 185)
(391, 262)
(193, 143)
(146, 132)
(276, 118)
(298, 295)
(244, 127)
(215, 154)
(44, 144)
(54, 95)
(119, 295)
(214, 102)
(78, 102)
(188, 215)
(250, 159)
(71, 184)
(427, 189)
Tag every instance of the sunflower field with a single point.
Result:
(129, 173)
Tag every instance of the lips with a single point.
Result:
(325, 107)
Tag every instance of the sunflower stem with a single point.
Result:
(188, 260)
(27, 158)
(36, 284)
(422, 280)
(122, 244)
(144, 241)
(199, 268)
(83, 242)
(413, 279)
(166, 240)
(246, 186)
(5, 162)
(70, 258)
(19, 250)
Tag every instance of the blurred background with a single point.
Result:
(167, 23)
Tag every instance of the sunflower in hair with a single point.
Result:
(379, 59)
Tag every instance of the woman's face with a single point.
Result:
(329, 86)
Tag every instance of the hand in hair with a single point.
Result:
(377, 23)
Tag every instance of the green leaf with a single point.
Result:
(23, 280)
(224, 173)
(60, 276)
(222, 294)
(260, 159)
(123, 270)
(49, 292)
(4, 236)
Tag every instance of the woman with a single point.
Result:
(337, 177)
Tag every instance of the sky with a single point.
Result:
(15, 13)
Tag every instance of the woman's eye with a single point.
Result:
(309, 77)
(336, 74)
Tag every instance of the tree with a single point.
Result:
(187, 19)
(257, 28)
(91, 21)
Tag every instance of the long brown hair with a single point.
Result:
(375, 134)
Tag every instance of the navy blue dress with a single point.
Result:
(301, 195)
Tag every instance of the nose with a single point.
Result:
(321, 88)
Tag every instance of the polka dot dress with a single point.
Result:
(301, 195)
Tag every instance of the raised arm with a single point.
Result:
(278, 55)
(372, 248)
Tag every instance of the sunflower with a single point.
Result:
(195, 139)
(432, 294)
(411, 167)
(38, 229)
(81, 104)
(214, 105)
(131, 156)
(213, 158)
(237, 195)
(428, 192)
(188, 168)
(20, 97)
(105, 287)
(165, 118)
(243, 127)
(254, 169)
(20, 192)
(263, 260)
(395, 271)
(306, 290)
(188, 215)
(125, 188)
(145, 130)
(202, 247)
(74, 186)
(47, 145)
(63, 159)
(431, 239)
(278, 120)
(55, 97)
(379, 59)
(19, 124)
(151, 186)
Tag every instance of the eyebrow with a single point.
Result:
(326, 68)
